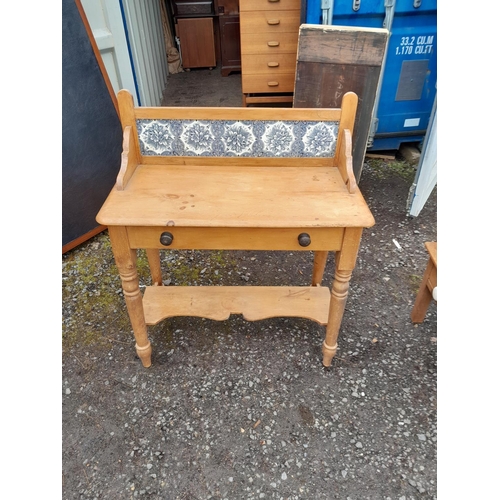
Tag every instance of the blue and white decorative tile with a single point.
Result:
(278, 139)
(155, 138)
(197, 138)
(267, 139)
(238, 138)
(319, 140)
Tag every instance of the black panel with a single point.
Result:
(412, 80)
(91, 130)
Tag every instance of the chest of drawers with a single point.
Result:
(269, 31)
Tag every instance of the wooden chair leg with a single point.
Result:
(126, 259)
(424, 297)
(154, 266)
(320, 258)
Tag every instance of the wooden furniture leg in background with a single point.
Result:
(125, 259)
(320, 258)
(429, 282)
(154, 266)
(345, 261)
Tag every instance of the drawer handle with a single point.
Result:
(304, 240)
(272, 84)
(273, 44)
(166, 238)
(273, 22)
(273, 1)
(273, 64)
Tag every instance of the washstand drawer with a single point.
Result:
(235, 238)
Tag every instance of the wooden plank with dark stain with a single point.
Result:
(333, 60)
(342, 45)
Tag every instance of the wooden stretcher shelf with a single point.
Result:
(219, 302)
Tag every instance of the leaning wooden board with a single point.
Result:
(333, 60)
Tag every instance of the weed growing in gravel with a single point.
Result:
(185, 268)
(384, 169)
(91, 289)
(415, 281)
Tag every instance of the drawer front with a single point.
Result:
(185, 238)
(268, 65)
(253, 5)
(262, 84)
(269, 43)
(270, 22)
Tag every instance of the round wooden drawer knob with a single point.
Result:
(304, 240)
(166, 238)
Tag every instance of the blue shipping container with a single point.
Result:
(408, 81)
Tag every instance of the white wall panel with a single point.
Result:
(106, 22)
(426, 176)
(147, 44)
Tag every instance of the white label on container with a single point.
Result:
(424, 45)
(412, 122)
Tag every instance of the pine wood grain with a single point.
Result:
(215, 196)
(129, 159)
(219, 302)
(236, 238)
(223, 113)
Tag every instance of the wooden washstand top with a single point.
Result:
(236, 196)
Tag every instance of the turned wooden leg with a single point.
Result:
(337, 305)
(125, 259)
(154, 266)
(320, 258)
(345, 262)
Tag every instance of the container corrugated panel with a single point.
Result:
(147, 45)
(408, 85)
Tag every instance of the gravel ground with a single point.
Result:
(242, 410)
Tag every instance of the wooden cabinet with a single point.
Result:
(269, 31)
(197, 41)
(229, 27)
